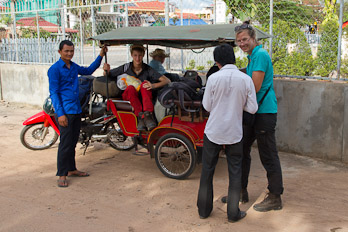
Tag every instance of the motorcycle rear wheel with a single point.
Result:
(175, 156)
(118, 140)
(31, 137)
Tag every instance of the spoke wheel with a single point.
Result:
(118, 140)
(175, 156)
(32, 136)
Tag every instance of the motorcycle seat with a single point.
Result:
(122, 105)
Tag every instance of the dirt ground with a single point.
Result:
(128, 193)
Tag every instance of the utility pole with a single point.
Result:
(38, 32)
(181, 24)
(166, 13)
(13, 18)
(271, 29)
(214, 10)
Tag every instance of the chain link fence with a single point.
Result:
(308, 40)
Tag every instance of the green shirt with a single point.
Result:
(259, 60)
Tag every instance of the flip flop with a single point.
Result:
(62, 183)
(79, 174)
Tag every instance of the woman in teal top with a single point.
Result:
(260, 69)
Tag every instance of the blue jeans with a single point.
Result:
(210, 157)
(68, 139)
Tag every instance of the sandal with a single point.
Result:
(62, 183)
(78, 174)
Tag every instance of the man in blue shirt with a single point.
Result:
(64, 92)
(158, 57)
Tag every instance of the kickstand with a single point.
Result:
(86, 146)
(138, 141)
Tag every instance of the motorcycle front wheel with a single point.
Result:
(38, 137)
(118, 140)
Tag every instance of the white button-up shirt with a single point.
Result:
(228, 92)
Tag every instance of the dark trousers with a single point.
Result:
(68, 139)
(209, 160)
(263, 131)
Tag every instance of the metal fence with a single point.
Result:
(308, 38)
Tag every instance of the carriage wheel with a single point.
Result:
(175, 156)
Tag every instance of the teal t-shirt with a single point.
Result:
(259, 60)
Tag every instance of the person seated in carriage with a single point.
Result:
(158, 58)
(140, 95)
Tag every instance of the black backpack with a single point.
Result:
(183, 90)
(85, 88)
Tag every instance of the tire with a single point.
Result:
(118, 140)
(175, 156)
(31, 137)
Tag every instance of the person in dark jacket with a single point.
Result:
(142, 101)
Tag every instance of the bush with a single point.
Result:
(210, 63)
(241, 63)
(192, 65)
(300, 61)
(344, 69)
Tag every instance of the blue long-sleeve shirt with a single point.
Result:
(64, 85)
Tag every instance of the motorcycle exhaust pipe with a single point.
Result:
(98, 137)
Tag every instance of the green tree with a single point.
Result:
(326, 61)
(241, 62)
(7, 20)
(297, 62)
(31, 33)
(241, 9)
(288, 11)
(330, 10)
(85, 16)
(104, 26)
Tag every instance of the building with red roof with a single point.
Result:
(43, 24)
(153, 7)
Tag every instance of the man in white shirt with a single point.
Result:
(228, 92)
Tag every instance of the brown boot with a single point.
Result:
(141, 124)
(271, 202)
(149, 121)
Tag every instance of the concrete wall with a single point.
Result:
(26, 83)
(312, 115)
(313, 118)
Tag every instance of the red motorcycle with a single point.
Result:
(97, 125)
(40, 131)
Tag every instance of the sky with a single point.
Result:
(192, 4)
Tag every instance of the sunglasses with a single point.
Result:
(242, 27)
